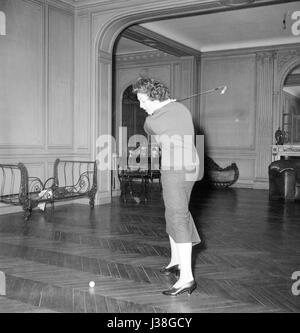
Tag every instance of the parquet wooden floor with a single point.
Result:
(249, 251)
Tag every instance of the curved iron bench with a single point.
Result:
(71, 180)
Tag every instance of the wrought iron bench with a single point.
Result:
(71, 180)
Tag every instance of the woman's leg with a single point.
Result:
(174, 253)
(179, 224)
(184, 251)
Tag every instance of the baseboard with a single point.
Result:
(2, 284)
(9, 209)
(102, 198)
(243, 183)
(116, 193)
(257, 184)
(261, 184)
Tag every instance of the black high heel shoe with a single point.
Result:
(187, 287)
(173, 269)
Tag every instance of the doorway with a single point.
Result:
(133, 117)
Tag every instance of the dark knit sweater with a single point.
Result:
(173, 127)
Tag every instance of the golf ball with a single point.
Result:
(92, 284)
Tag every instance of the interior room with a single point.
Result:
(79, 232)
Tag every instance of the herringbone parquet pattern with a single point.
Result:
(250, 248)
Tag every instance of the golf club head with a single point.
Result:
(223, 90)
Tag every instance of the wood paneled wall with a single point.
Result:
(38, 119)
(229, 121)
(239, 126)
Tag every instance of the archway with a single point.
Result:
(291, 107)
(280, 78)
(132, 116)
(105, 28)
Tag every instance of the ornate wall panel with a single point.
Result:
(264, 134)
(240, 123)
(104, 123)
(21, 76)
(82, 115)
(60, 79)
(228, 120)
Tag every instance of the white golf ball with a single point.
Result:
(92, 284)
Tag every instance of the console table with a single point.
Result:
(285, 151)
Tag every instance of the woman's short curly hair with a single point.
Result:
(154, 89)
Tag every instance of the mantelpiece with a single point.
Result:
(285, 151)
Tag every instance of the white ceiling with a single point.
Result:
(249, 27)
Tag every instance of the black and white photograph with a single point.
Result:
(149, 160)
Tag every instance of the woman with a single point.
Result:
(171, 124)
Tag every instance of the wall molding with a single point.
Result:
(45, 156)
(240, 153)
(265, 55)
(270, 48)
(152, 39)
(133, 58)
(56, 3)
(53, 80)
(82, 110)
(286, 57)
(18, 146)
(284, 62)
(264, 128)
(189, 7)
(105, 56)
